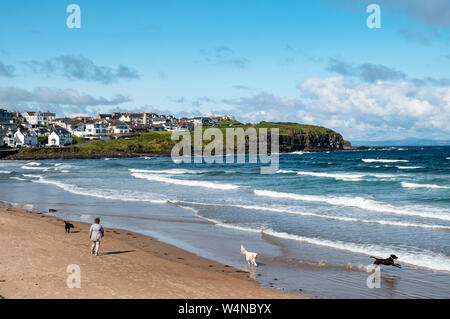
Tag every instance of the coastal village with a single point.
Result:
(44, 129)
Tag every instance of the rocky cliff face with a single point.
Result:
(311, 143)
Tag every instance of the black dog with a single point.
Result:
(68, 226)
(388, 261)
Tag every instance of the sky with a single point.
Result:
(312, 62)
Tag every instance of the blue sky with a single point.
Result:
(313, 62)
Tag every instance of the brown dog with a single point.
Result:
(68, 226)
(388, 261)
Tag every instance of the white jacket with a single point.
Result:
(96, 232)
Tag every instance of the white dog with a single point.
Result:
(249, 257)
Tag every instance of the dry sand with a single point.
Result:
(35, 253)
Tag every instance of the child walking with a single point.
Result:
(96, 234)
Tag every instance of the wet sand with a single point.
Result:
(35, 253)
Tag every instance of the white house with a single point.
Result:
(25, 138)
(118, 127)
(202, 120)
(93, 128)
(8, 140)
(39, 118)
(59, 137)
(159, 120)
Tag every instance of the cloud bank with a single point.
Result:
(358, 110)
(69, 101)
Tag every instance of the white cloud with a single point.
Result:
(377, 110)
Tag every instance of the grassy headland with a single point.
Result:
(293, 137)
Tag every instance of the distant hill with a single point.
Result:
(403, 142)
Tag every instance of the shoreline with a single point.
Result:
(130, 265)
(16, 156)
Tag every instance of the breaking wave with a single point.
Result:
(359, 202)
(375, 160)
(194, 183)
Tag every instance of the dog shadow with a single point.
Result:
(118, 252)
(74, 232)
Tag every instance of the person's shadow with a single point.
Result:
(118, 252)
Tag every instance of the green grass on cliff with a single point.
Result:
(160, 142)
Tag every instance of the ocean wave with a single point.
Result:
(62, 167)
(33, 164)
(283, 171)
(31, 176)
(17, 205)
(36, 168)
(309, 214)
(414, 185)
(183, 182)
(18, 178)
(423, 259)
(409, 167)
(122, 196)
(374, 160)
(353, 177)
(297, 153)
(337, 176)
(174, 171)
(5, 172)
(359, 202)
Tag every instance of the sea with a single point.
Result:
(315, 223)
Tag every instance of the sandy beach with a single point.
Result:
(35, 253)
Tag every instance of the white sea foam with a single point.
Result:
(18, 205)
(338, 176)
(353, 177)
(414, 185)
(36, 168)
(359, 202)
(31, 176)
(283, 171)
(374, 160)
(33, 164)
(174, 171)
(5, 172)
(423, 259)
(99, 194)
(309, 214)
(18, 178)
(409, 167)
(158, 178)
